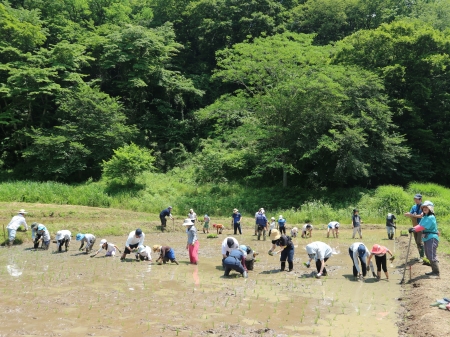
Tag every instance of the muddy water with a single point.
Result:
(69, 294)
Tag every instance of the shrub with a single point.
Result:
(127, 163)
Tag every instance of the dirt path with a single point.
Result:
(417, 318)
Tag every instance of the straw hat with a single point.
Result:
(378, 250)
(275, 234)
(235, 210)
(22, 211)
(187, 222)
(155, 248)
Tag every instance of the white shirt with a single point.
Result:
(321, 249)
(272, 225)
(192, 216)
(132, 239)
(63, 234)
(354, 248)
(88, 238)
(304, 227)
(225, 247)
(45, 234)
(147, 252)
(111, 248)
(333, 224)
(16, 222)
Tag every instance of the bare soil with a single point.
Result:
(417, 318)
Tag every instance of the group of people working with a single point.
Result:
(239, 258)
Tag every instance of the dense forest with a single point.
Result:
(310, 93)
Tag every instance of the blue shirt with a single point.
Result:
(234, 258)
(356, 220)
(261, 220)
(281, 222)
(164, 213)
(431, 230)
(236, 217)
(416, 209)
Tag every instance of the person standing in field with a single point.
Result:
(236, 221)
(356, 223)
(320, 252)
(428, 227)
(109, 247)
(415, 214)
(286, 248)
(380, 259)
(282, 224)
(40, 233)
(86, 239)
(307, 230)
(206, 220)
(261, 210)
(63, 237)
(273, 225)
(162, 216)
(16, 221)
(192, 216)
(390, 226)
(135, 239)
(359, 250)
(261, 220)
(192, 241)
(333, 227)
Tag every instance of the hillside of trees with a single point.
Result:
(307, 93)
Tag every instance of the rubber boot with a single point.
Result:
(291, 265)
(175, 261)
(259, 235)
(421, 253)
(434, 269)
(283, 265)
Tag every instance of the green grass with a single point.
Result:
(155, 191)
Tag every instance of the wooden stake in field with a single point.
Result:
(173, 224)
(4, 233)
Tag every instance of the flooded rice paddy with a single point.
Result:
(70, 294)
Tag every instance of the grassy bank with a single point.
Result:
(153, 192)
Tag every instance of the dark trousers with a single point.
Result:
(36, 243)
(229, 267)
(381, 263)
(237, 226)
(282, 230)
(319, 264)
(364, 266)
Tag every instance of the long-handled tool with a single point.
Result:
(173, 224)
(406, 261)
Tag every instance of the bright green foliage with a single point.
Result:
(127, 163)
(328, 123)
(413, 60)
(91, 125)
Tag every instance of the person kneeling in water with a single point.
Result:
(144, 253)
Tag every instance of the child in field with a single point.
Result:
(272, 225)
(206, 220)
(333, 227)
(282, 225)
(320, 252)
(250, 257)
(39, 233)
(390, 226)
(166, 254)
(87, 239)
(218, 227)
(356, 223)
(63, 237)
(380, 259)
(109, 247)
(144, 253)
(307, 230)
